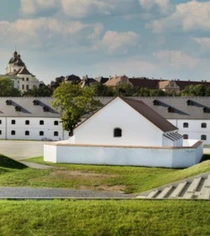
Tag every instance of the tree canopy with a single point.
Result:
(7, 88)
(73, 102)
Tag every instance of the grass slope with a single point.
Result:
(114, 178)
(6, 162)
(136, 217)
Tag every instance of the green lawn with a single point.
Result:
(110, 178)
(134, 217)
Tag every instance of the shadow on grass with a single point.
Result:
(7, 162)
(205, 157)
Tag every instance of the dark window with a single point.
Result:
(46, 109)
(41, 133)
(13, 122)
(23, 85)
(190, 103)
(23, 80)
(156, 103)
(55, 133)
(203, 125)
(8, 102)
(41, 122)
(27, 87)
(170, 109)
(27, 122)
(17, 108)
(27, 79)
(27, 132)
(203, 137)
(55, 122)
(0, 122)
(185, 136)
(0, 132)
(35, 102)
(205, 110)
(13, 132)
(117, 132)
(185, 125)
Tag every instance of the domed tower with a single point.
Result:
(15, 63)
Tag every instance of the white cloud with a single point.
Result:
(189, 16)
(47, 32)
(203, 42)
(176, 59)
(78, 9)
(30, 7)
(163, 5)
(113, 41)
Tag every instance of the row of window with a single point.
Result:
(27, 122)
(203, 136)
(27, 133)
(186, 125)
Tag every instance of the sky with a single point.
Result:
(152, 38)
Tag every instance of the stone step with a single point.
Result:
(165, 192)
(176, 193)
(190, 193)
(152, 194)
(205, 191)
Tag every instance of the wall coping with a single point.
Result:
(196, 145)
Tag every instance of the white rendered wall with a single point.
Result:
(136, 129)
(34, 128)
(194, 130)
(159, 157)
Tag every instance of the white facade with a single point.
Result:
(193, 129)
(136, 129)
(28, 128)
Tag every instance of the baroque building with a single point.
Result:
(17, 71)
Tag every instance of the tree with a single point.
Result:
(42, 91)
(73, 102)
(7, 88)
(196, 90)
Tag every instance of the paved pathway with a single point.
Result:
(197, 187)
(35, 165)
(55, 193)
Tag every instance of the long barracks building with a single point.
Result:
(33, 118)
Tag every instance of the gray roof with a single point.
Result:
(181, 107)
(27, 107)
(150, 114)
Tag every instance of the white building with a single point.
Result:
(30, 118)
(126, 132)
(17, 71)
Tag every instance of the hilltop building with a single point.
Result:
(17, 71)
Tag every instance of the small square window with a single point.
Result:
(55, 122)
(13, 132)
(185, 136)
(13, 122)
(203, 137)
(27, 132)
(185, 125)
(27, 122)
(55, 133)
(41, 133)
(0, 132)
(0, 122)
(117, 132)
(41, 122)
(203, 125)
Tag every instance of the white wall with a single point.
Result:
(194, 130)
(160, 157)
(6, 127)
(136, 129)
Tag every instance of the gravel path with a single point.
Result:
(55, 193)
(35, 165)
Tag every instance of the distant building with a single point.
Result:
(72, 79)
(17, 71)
(117, 80)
